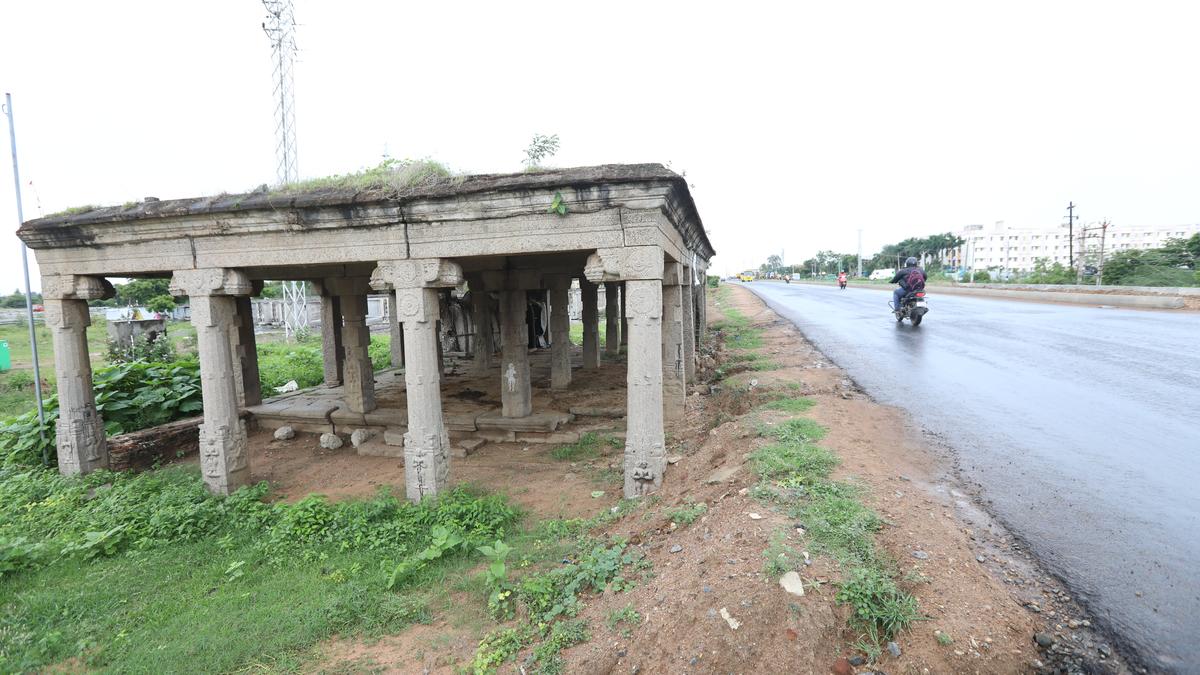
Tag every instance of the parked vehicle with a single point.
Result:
(913, 307)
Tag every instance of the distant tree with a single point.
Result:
(140, 291)
(540, 148)
(161, 303)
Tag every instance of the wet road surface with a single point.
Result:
(1080, 424)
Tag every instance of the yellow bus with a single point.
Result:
(746, 276)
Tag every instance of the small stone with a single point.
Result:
(597, 494)
(893, 649)
(755, 516)
(733, 623)
(285, 434)
(360, 436)
(842, 667)
(857, 660)
(674, 459)
(676, 548)
(1105, 650)
(331, 441)
(1044, 640)
(920, 555)
(792, 583)
(980, 559)
(707, 589)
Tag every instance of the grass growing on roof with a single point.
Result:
(390, 174)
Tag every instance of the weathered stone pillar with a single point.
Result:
(331, 337)
(641, 268)
(245, 352)
(624, 317)
(426, 443)
(674, 383)
(482, 346)
(560, 332)
(702, 309)
(358, 376)
(689, 326)
(612, 320)
(81, 444)
(224, 460)
(397, 334)
(515, 391)
(588, 293)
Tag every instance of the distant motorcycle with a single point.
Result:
(842, 284)
(913, 307)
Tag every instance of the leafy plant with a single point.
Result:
(628, 616)
(688, 513)
(880, 608)
(444, 541)
(496, 578)
(540, 148)
(559, 205)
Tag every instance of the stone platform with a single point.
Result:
(470, 404)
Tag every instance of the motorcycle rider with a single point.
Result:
(842, 278)
(902, 277)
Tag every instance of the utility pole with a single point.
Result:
(1100, 267)
(860, 252)
(1071, 233)
(37, 374)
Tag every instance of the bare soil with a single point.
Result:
(971, 580)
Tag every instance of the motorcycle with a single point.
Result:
(842, 284)
(913, 307)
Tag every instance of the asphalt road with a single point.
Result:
(1081, 424)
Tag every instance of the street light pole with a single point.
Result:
(37, 373)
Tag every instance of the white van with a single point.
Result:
(882, 275)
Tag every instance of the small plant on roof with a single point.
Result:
(541, 147)
(559, 205)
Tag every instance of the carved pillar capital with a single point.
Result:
(212, 281)
(421, 273)
(345, 286)
(76, 287)
(624, 264)
(673, 274)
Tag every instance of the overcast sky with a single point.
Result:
(797, 123)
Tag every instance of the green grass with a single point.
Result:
(150, 573)
(687, 514)
(627, 616)
(587, 447)
(795, 475)
(791, 404)
(391, 175)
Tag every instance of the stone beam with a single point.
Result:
(80, 440)
(224, 459)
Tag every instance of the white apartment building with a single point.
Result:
(1017, 249)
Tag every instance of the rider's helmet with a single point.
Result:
(911, 262)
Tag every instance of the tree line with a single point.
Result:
(929, 250)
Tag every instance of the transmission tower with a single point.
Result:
(280, 28)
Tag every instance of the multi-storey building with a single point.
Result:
(1017, 249)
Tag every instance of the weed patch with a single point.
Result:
(791, 404)
(687, 514)
(587, 447)
(795, 474)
